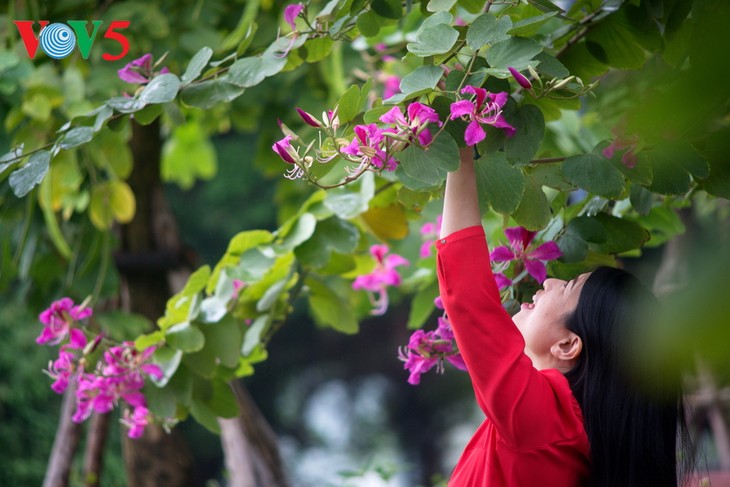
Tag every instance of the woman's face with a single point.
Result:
(542, 322)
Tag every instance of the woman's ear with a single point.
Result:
(568, 349)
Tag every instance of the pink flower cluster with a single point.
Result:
(484, 109)
(372, 146)
(140, 71)
(428, 349)
(429, 232)
(524, 254)
(376, 283)
(120, 375)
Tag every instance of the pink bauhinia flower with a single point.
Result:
(412, 125)
(139, 71)
(368, 146)
(383, 276)
(486, 109)
(426, 350)
(391, 86)
(430, 231)
(58, 320)
(291, 12)
(136, 421)
(62, 370)
(520, 250)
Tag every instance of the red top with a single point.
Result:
(533, 434)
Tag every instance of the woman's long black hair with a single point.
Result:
(633, 414)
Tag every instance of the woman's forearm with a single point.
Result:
(461, 203)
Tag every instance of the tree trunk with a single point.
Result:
(150, 248)
(95, 444)
(249, 445)
(65, 443)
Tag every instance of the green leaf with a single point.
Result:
(76, 137)
(669, 175)
(550, 65)
(530, 130)
(612, 42)
(349, 104)
(621, 235)
(531, 25)
(533, 213)
(332, 234)
(168, 360)
(499, 184)
(390, 9)
(207, 93)
(111, 201)
(143, 342)
(515, 52)
(572, 247)
(550, 175)
(223, 402)
(438, 39)
(368, 23)
(422, 305)
(251, 71)
(252, 338)
(196, 65)
(26, 178)
(185, 337)
(421, 80)
(329, 308)
(486, 29)
(300, 232)
(440, 5)
(271, 295)
(641, 199)
(188, 155)
(595, 174)
(125, 105)
(545, 5)
(148, 114)
(161, 89)
(222, 346)
(431, 165)
(587, 228)
(388, 222)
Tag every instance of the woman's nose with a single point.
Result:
(549, 283)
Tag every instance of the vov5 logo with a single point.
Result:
(59, 40)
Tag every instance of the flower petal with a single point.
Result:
(536, 269)
(394, 115)
(474, 133)
(501, 123)
(291, 12)
(461, 108)
(519, 238)
(502, 254)
(502, 280)
(546, 251)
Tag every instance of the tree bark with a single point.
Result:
(96, 437)
(65, 443)
(249, 444)
(157, 458)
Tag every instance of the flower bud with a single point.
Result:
(520, 78)
(309, 119)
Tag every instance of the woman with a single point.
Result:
(563, 406)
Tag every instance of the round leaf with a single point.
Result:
(161, 89)
(530, 129)
(595, 174)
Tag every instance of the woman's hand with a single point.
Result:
(461, 203)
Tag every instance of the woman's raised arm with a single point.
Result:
(461, 204)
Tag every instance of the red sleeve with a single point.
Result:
(516, 397)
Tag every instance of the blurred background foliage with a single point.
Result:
(339, 403)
